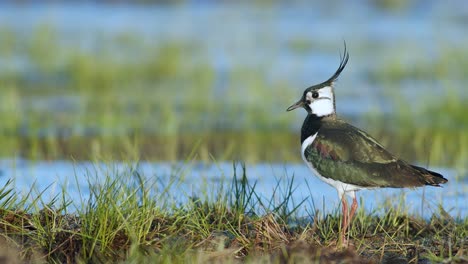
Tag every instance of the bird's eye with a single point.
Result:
(315, 95)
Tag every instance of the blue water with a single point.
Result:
(201, 180)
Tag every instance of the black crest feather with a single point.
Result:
(343, 61)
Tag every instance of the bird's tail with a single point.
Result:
(430, 177)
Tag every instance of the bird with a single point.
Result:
(346, 157)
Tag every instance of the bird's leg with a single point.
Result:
(354, 206)
(344, 223)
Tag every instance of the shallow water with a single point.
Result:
(199, 180)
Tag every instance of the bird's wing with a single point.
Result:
(345, 153)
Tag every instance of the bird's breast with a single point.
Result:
(307, 142)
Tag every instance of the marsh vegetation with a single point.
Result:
(132, 219)
(154, 94)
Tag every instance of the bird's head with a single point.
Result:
(319, 99)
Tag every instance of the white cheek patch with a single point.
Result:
(323, 105)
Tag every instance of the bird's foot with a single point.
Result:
(345, 242)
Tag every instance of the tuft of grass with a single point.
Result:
(127, 217)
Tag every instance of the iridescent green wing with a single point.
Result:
(345, 153)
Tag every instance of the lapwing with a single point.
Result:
(346, 157)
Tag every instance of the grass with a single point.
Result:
(129, 218)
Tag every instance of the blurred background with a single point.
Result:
(159, 80)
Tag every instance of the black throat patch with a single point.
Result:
(311, 125)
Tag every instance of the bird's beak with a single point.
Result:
(297, 104)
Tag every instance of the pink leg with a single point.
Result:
(347, 218)
(344, 223)
(354, 207)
